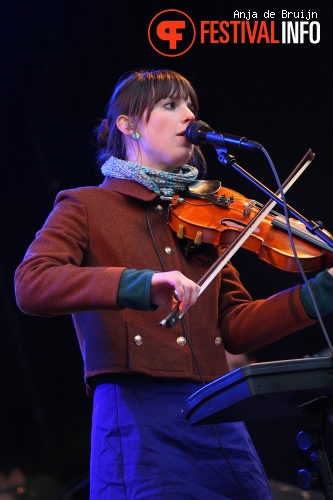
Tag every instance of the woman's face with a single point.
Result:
(162, 144)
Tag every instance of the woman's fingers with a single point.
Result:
(170, 286)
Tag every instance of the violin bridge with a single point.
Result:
(248, 208)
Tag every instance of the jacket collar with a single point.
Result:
(128, 188)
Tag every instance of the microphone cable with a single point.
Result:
(292, 244)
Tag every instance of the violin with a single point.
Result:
(218, 218)
(209, 213)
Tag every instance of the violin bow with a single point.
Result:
(174, 316)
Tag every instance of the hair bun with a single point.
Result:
(102, 133)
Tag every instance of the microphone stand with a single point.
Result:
(315, 411)
(314, 415)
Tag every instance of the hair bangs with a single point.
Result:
(166, 83)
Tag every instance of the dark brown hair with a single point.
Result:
(134, 93)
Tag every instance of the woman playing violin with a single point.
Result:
(106, 256)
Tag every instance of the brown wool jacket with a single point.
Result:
(74, 267)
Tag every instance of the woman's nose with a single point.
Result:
(188, 114)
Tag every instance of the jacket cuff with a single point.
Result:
(134, 290)
(322, 290)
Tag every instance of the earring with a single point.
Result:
(136, 136)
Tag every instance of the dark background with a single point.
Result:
(59, 62)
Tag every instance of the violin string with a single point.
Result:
(273, 212)
(256, 204)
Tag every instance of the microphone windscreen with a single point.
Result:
(195, 132)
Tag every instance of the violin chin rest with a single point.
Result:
(203, 187)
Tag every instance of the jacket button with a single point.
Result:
(169, 250)
(181, 341)
(138, 339)
(159, 209)
(218, 341)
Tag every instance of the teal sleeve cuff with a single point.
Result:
(322, 289)
(134, 290)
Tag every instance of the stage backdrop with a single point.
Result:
(260, 72)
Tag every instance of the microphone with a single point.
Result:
(199, 132)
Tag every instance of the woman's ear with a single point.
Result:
(125, 124)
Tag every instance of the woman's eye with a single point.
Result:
(170, 105)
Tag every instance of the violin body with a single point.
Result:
(219, 218)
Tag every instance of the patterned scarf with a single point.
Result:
(163, 183)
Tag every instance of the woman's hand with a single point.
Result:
(165, 287)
